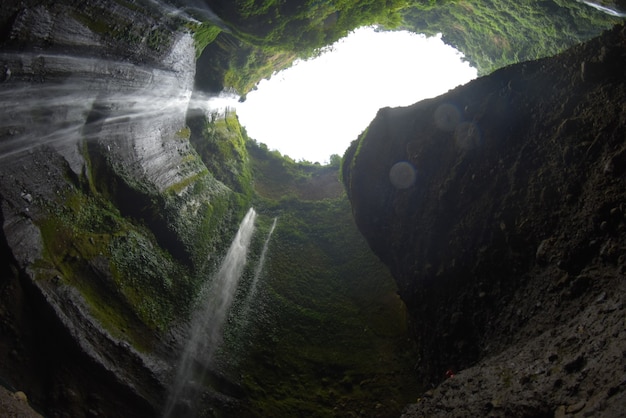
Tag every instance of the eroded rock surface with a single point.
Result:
(499, 208)
(91, 95)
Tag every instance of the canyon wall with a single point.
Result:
(499, 209)
(117, 204)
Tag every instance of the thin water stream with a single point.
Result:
(207, 323)
(257, 273)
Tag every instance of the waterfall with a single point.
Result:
(257, 273)
(259, 267)
(207, 323)
(89, 98)
(214, 106)
(610, 10)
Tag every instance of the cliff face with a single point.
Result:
(117, 204)
(254, 42)
(495, 33)
(108, 213)
(499, 209)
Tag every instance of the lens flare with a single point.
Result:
(402, 175)
(447, 117)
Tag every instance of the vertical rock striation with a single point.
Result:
(107, 212)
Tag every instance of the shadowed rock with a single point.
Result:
(505, 229)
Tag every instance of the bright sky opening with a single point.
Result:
(317, 107)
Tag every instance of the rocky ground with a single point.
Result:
(15, 405)
(572, 369)
(500, 209)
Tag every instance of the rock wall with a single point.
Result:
(107, 212)
(499, 208)
(116, 206)
(111, 222)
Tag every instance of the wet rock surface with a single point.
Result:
(95, 84)
(101, 88)
(499, 208)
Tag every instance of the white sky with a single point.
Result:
(317, 107)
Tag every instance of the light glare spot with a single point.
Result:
(402, 175)
(447, 117)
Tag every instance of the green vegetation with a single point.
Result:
(326, 334)
(137, 255)
(203, 34)
(184, 133)
(116, 264)
(495, 33)
(305, 26)
(330, 338)
(267, 36)
(280, 177)
(230, 62)
(222, 147)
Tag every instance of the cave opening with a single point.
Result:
(316, 107)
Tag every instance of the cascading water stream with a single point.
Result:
(213, 106)
(257, 273)
(82, 93)
(207, 323)
(605, 9)
(87, 97)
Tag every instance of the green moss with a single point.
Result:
(496, 33)
(506, 376)
(183, 133)
(203, 34)
(221, 144)
(77, 238)
(268, 36)
(186, 182)
(132, 285)
(328, 332)
(157, 38)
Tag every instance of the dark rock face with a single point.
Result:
(499, 208)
